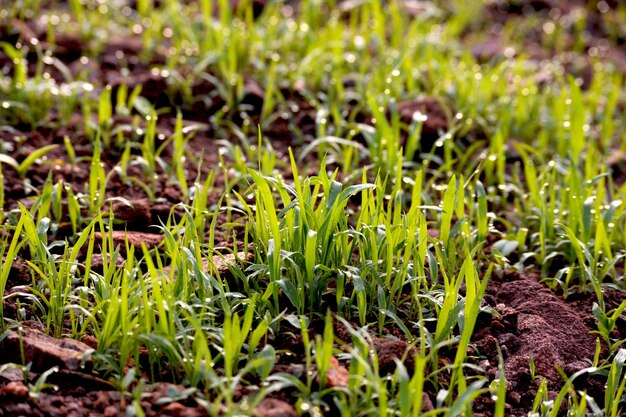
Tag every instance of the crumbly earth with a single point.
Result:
(533, 323)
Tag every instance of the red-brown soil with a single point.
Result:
(532, 322)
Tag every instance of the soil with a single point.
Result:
(534, 323)
(595, 47)
(530, 320)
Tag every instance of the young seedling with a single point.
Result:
(34, 157)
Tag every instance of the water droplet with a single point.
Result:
(549, 27)
(419, 117)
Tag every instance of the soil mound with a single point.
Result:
(547, 330)
(534, 324)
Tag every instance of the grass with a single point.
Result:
(354, 223)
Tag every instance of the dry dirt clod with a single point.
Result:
(388, 350)
(15, 389)
(135, 239)
(253, 96)
(175, 409)
(90, 341)
(514, 397)
(488, 49)
(43, 351)
(80, 379)
(222, 262)
(97, 261)
(617, 163)
(271, 407)
(336, 375)
(11, 375)
(111, 411)
(427, 404)
(135, 214)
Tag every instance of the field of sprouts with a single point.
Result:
(313, 208)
